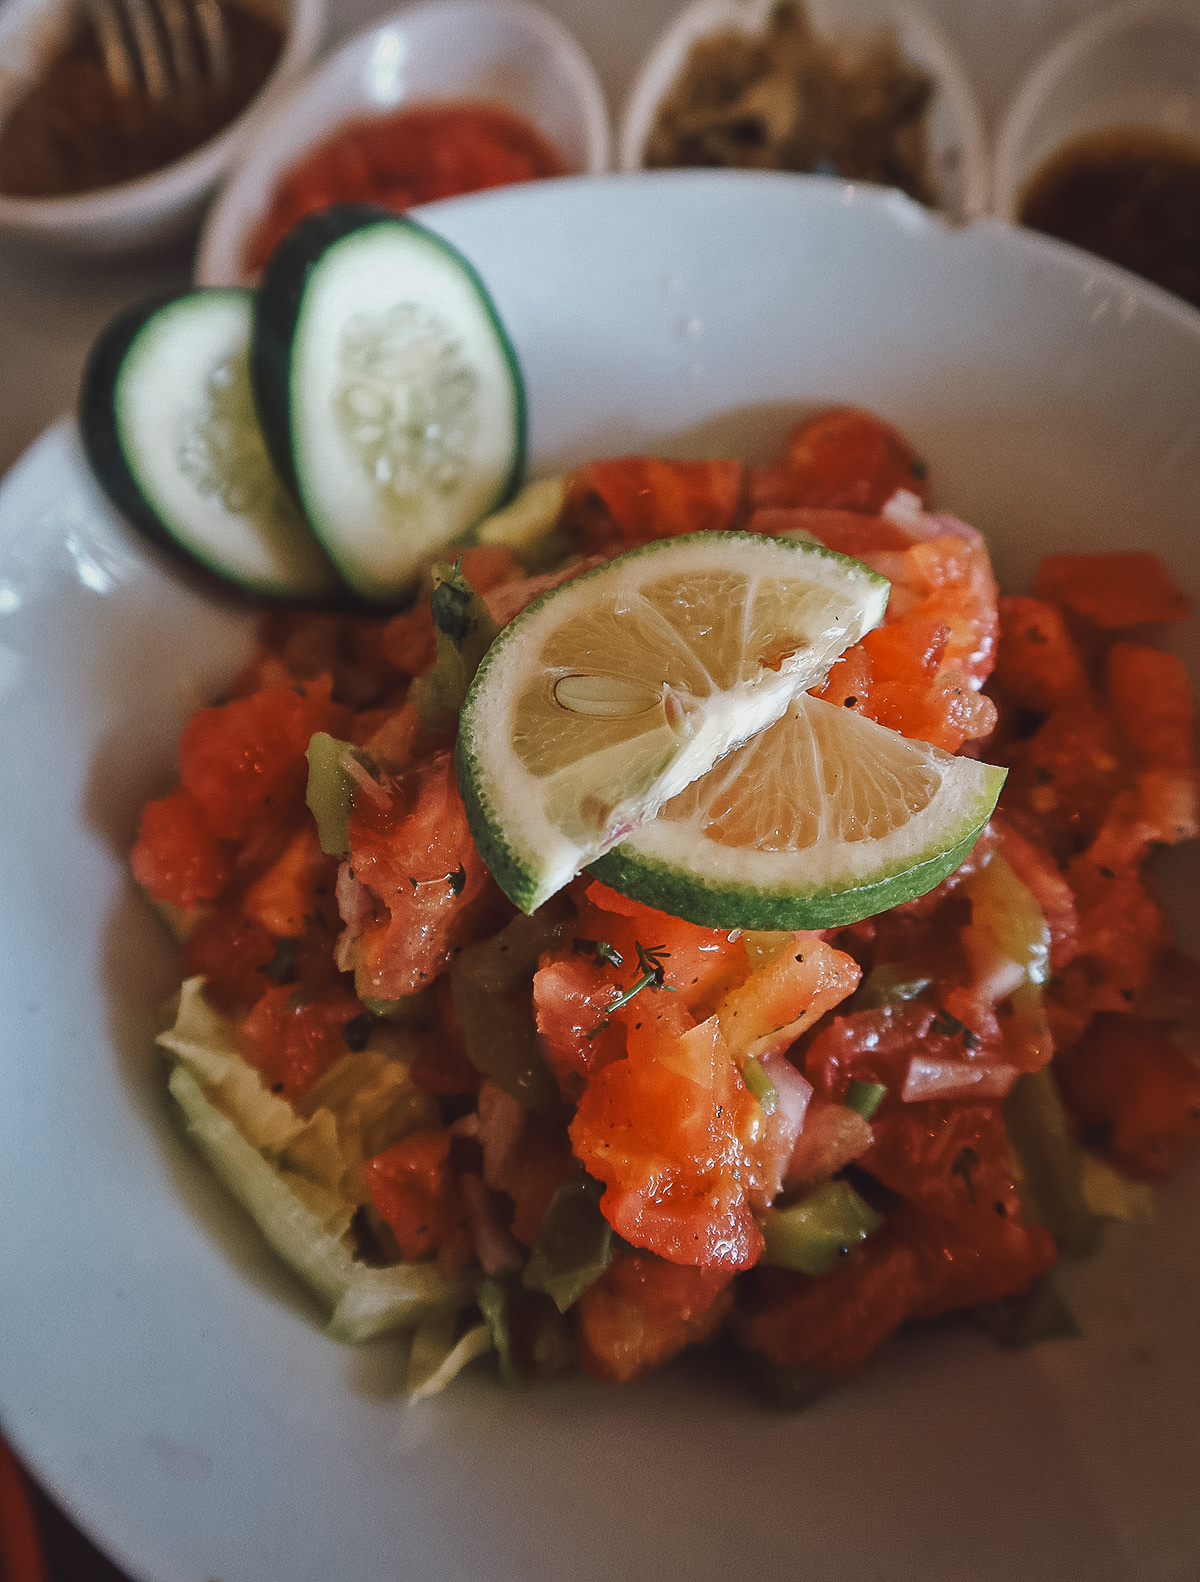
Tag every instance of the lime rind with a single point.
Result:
(711, 904)
(532, 854)
(671, 863)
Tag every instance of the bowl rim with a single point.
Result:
(224, 227)
(186, 178)
(661, 63)
(1048, 69)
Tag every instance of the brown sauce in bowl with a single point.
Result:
(790, 99)
(73, 132)
(1129, 195)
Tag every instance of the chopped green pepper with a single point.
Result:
(574, 1244)
(465, 630)
(1051, 1162)
(813, 1234)
(330, 789)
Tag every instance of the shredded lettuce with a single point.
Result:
(298, 1174)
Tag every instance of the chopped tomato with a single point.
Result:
(243, 762)
(416, 1194)
(645, 497)
(1137, 1091)
(1113, 590)
(845, 458)
(293, 1040)
(415, 887)
(177, 858)
(667, 1129)
(642, 1312)
(834, 1323)
(1038, 662)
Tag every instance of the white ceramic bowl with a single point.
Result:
(157, 1369)
(1136, 64)
(504, 50)
(958, 141)
(155, 208)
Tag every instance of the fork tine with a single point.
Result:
(114, 46)
(211, 24)
(158, 44)
(180, 46)
(148, 43)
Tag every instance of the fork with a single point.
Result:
(160, 46)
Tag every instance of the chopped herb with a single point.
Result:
(458, 879)
(357, 1031)
(282, 966)
(943, 1022)
(601, 951)
(651, 960)
(965, 1164)
(865, 1097)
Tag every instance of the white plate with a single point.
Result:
(168, 1382)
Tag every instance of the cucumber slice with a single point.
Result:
(389, 393)
(167, 421)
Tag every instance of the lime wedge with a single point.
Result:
(822, 819)
(614, 691)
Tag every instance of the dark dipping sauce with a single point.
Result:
(1129, 195)
(74, 132)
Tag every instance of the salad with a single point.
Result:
(598, 1134)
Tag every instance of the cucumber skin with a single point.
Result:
(278, 303)
(97, 421)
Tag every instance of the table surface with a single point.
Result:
(51, 308)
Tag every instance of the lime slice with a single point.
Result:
(617, 689)
(823, 819)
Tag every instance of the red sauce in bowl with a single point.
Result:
(410, 156)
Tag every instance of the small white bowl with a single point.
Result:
(959, 156)
(507, 51)
(156, 208)
(1133, 65)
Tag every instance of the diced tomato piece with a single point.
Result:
(177, 858)
(642, 1311)
(853, 533)
(645, 497)
(410, 641)
(243, 762)
(666, 1129)
(284, 897)
(950, 1157)
(416, 886)
(293, 1040)
(1150, 693)
(834, 1323)
(845, 458)
(570, 996)
(981, 1257)
(1065, 776)
(1130, 1082)
(1112, 590)
(230, 952)
(908, 651)
(1038, 663)
(879, 1045)
(962, 1212)
(414, 1189)
(1037, 870)
(786, 996)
